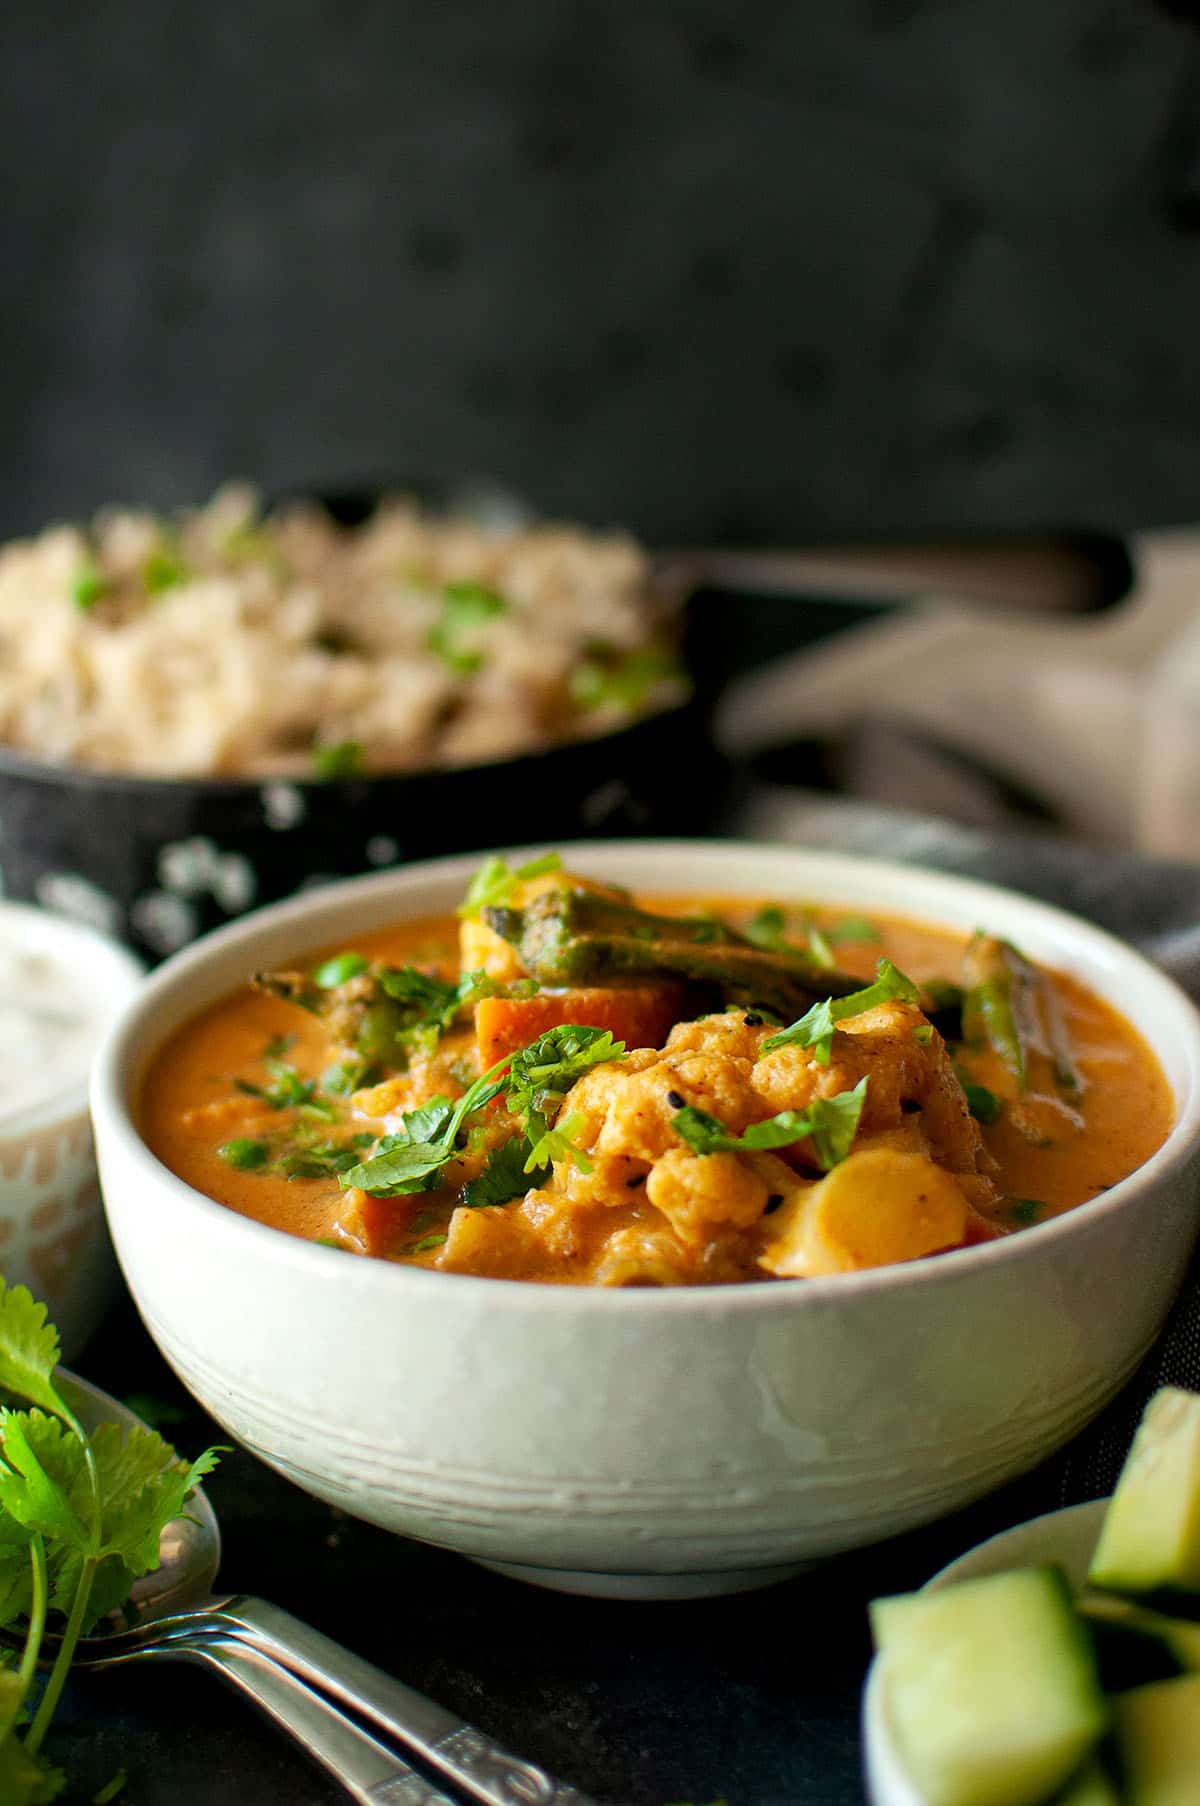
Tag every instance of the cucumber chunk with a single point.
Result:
(1090, 1787)
(991, 1687)
(1150, 1537)
(1158, 1742)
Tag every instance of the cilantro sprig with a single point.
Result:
(830, 1123)
(80, 1519)
(535, 1080)
(815, 1028)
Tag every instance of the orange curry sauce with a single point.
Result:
(1049, 1154)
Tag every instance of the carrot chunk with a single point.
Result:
(640, 1015)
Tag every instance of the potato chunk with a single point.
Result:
(879, 1206)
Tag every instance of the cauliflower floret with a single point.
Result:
(908, 1081)
(702, 1193)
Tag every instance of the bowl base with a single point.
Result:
(593, 1585)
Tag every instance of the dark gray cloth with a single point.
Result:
(1152, 903)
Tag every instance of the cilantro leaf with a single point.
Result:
(831, 1124)
(769, 929)
(164, 568)
(549, 1066)
(505, 1176)
(609, 677)
(348, 1076)
(815, 1028)
(983, 1104)
(89, 585)
(16, 1574)
(339, 970)
(466, 607)
(558, 1143)
(425, 1142)
(537, 1079)
(29, 1349)
(25, 1779)
(80, 1519)
(337, 759)
(852, 928)
(40, 1472)
(288, 1090)
(1024, 1211)
(494, 882)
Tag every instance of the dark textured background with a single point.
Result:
(766, 269)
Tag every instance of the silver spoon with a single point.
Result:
(288, 1669)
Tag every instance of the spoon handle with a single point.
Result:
(371, 1774)
(466, 1756)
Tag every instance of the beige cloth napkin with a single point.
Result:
(1098, 720)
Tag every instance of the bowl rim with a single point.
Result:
(82, 945)
(113, 1112)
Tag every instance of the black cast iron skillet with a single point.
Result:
(159, 860)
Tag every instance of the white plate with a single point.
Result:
(1067, 1537)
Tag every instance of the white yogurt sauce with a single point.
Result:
(53, 1013)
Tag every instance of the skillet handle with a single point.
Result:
(1067, 574)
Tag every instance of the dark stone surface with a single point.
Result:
(762, 270)
(753, 1698)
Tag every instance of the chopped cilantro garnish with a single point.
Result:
(542, 1074)
(983, 1104)
(536, 1080)
(339, 969)
(820, 950)
(1025, 1210)
(425, 1142)
(89, 584)
(610, 678)
(317, 1160)
(768, 927)
(287, 1090)
(853, 928)
(506, 1175)
(923, 1033)
(349, 1076)
(494, 882)
(245, 1153)
(815, 1028)
(337, 759)
(537, 868)
(831, 1124)
(164, 568)
(426, 1242)
(559, 1143)
(466, 607)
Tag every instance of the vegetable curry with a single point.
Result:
(567, 1085)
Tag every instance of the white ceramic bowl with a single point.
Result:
(52, 1231)
(652, 1443)
(1066, 1537)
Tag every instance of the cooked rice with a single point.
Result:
(225, 644)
